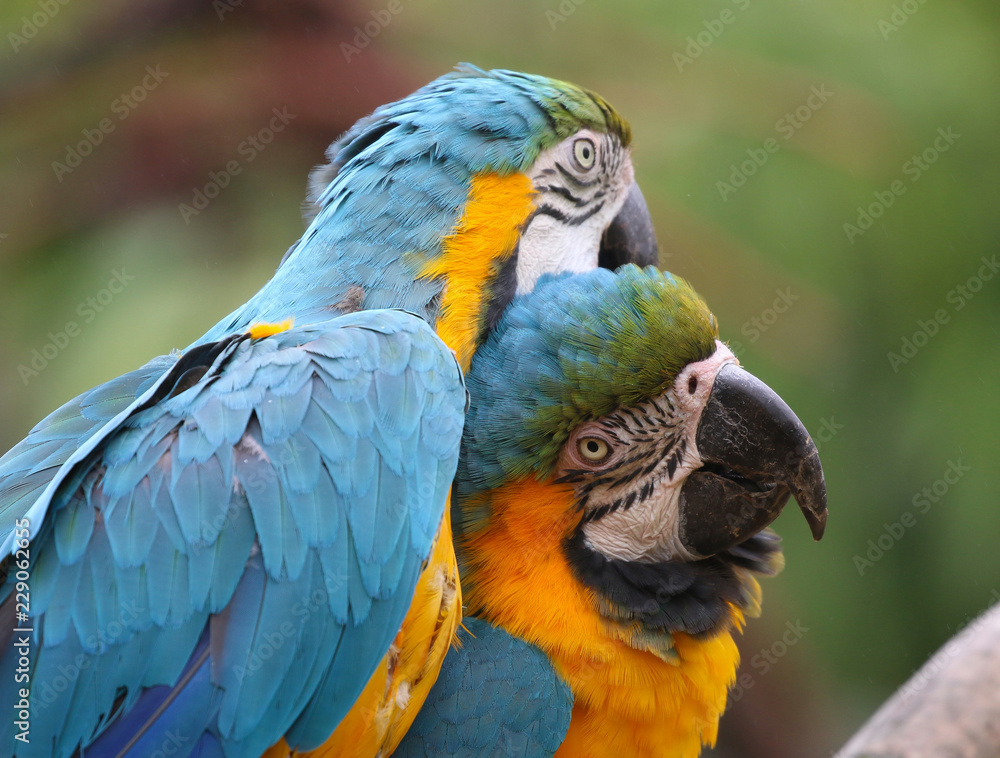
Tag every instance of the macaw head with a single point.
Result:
(617, 453)
(479, 183)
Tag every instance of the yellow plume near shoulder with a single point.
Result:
(259, 331)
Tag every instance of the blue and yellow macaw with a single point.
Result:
(245, 549)
(617, 473)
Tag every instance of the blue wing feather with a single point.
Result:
(270, 503)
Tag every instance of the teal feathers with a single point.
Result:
(497, 696)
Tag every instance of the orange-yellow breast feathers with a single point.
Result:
(628, 702)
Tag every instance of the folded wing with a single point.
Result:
(226, 560)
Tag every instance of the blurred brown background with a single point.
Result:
(824, 174)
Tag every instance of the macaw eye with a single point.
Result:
(593, 449)
(584, 153)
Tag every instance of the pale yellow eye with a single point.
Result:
(584, 153)
(593, 449)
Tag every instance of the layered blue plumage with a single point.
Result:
(497, 697)
(29, 466)
(397, 183)
(236, 554)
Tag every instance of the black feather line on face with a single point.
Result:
(558, 215)
(575, 181)
(674, 596)
(651, 442)
(579, 202)
(503, 288)
(647, 489)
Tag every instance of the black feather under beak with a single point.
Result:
(756, 454)
(630, 237)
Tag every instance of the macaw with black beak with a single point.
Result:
(618, 470)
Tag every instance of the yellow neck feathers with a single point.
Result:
(484, 238)
(628, 702)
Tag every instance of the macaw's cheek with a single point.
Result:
(531, 516)
(512, 543)
(589, 212)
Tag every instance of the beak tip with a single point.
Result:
(817, 523)
(810, 491)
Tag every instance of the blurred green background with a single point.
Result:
(826, 175)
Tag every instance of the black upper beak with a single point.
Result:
(630, 237)
(756, 454)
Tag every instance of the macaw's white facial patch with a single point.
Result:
(631, 497)
(581, 183)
